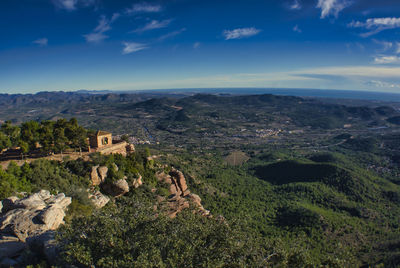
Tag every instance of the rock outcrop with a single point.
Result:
(180, 197)
(23, 221)
(94, 176)
(98, 199)
(117, 188)
(102, 173)
(137, 182)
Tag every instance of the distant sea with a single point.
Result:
(321, 93)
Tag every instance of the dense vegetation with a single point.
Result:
(299, 182)
(50, 136)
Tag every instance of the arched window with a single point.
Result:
(104, 141)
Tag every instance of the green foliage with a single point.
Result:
(52, 136)
(5, 141)
(54, 176)
(322, 207)
(131, 236)
(13, 180)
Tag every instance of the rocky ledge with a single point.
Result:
(29, 223)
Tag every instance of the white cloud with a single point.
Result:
(297, 29)
(66, 4)
(332, 7)
(97, 35)
(196, 45)
(152, 25)
(240, 33)
(171, 34)
(143, 8)
(376, 25)
(71, 5)
(398, 48)
(382, 59)
(295, 5)
(130, 47)
(41, 42)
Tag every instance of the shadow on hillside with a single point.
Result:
(292, 171)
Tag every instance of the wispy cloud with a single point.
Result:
(385, 59)
(240, 33)
(130, 47)
(196, 45)
(70, 5)
(376, 25)
(297, 29)
(65, 4)
(152, 25)
(398, 48)
(143, 8)
(41, 42)
(97, 35)
(332, 7)
(382, 84)
(171, 34)
(296, 5)
(385, 45)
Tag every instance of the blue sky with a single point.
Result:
(50, 45)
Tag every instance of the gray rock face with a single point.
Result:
(103, 173)
(99, 200)
(28, 218)
(117, 188)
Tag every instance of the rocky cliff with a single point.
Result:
(28, 223)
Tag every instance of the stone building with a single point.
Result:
(100, 139)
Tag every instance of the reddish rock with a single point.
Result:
(180, 179)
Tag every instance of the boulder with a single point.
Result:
(115, 166)
(99, 200)
(137, 182)
(94, 176)
(34, 215)
(36, 200)
(103, 173)
(60, 200)
(130, 148)
(31, 219)
(117, 188)
(52, 217)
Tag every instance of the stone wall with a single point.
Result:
(117, 148)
